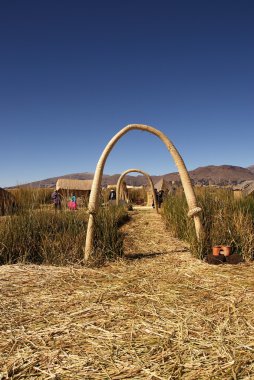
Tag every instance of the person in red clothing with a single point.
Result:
(72, 204)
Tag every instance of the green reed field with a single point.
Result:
(35, 233)
(226, 221)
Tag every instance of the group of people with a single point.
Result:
(159, 196)
(72, 204)
(57, 201)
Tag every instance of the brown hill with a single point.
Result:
(223, 174)
(218, 175)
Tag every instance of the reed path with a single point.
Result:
(146, 235)
(158, 314)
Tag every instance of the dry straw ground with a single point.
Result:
(160, 314)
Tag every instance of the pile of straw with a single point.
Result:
(165, 315)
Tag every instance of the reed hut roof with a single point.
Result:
(7, 201)
(74, 184)
(247, 187)
(6, 195)
(135, 187)
(162, 184)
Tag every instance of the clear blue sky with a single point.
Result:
(73, 73)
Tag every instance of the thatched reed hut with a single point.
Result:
(244, 189)
(162, 184)
(81, 188)
(111, 187)
(7, 202)
(166, 186)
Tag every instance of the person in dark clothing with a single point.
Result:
(112, 195)
(156, 194)
(160, 197)
(56, 198)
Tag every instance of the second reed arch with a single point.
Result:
(194, 210)
(149, 179)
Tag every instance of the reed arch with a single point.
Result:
(194, 210)
(149, 180)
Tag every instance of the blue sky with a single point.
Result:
(73, 73)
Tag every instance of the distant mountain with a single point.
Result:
(221, 175)
(216, 175)
(213, 175)
(51, 182)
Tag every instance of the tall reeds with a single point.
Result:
(108, 240)
(226, 221)
(137, 196)
(42, 236)
(31, 198)
(38, 234)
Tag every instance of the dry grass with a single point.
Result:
(147, 234)
(165, 316)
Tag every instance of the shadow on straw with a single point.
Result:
(138, 256)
